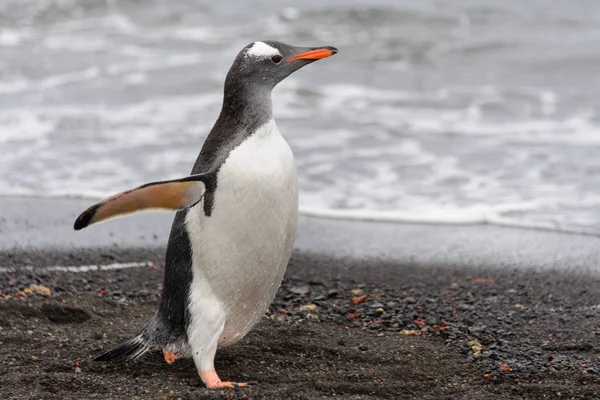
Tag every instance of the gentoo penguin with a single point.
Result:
(232, 237)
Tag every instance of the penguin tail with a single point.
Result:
(129, 350)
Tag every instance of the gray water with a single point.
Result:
(451, 112)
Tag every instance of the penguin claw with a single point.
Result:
(212, 381)
(233, 385)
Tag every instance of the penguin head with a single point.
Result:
(267, 63)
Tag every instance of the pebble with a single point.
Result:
(97, 335)
(359, 299)
(300, 289)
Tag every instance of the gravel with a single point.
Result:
(507, 333)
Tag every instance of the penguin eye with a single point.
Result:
(276, 59)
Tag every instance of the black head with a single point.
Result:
(267, 63)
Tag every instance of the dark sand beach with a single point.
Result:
(427, 333)
(372, 326)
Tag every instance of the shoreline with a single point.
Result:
(34, 224)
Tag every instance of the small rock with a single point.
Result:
(43, 290)
(34, 358)
(300, 289)
(332, 293)
(411, 300)
(363, 348)
(359, 299)
(546, 345)
(586, 347)
(77, 370)
(454, 286)
(357, 292)
(308, 307)
(505, 368)
(379, 310)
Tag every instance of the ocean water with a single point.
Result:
(473, 111)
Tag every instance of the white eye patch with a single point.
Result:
(262, 50)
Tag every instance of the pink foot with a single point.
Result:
(212, 381)
(170, 357)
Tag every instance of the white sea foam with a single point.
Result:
(12, 37)
(70, 42)
(433, 216)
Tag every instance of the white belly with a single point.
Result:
(241, 251)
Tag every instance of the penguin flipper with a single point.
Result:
(175, 194)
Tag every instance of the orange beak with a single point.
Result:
(315, 54)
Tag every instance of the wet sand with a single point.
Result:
(47, 223)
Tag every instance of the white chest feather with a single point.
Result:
(241, 250)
